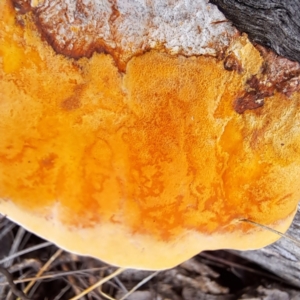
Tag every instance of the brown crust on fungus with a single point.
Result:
(249, 101)
(231, 63)
(150, 163)
(278, 74)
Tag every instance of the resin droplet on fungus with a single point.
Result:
(125, 144)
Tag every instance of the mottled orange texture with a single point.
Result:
(157, 150)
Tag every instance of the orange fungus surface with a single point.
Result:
(152, 161)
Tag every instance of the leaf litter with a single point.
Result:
(31, 268)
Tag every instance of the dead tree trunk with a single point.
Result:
(271, 23)
(282, 257)
(274, 24)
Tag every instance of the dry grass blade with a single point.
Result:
(272, 230)
(99, 283)
(43, 269)
(106, 296)
(6, 230)
(120, 284)
(71, 280)
(56, 275)
(62, 292)
(139, 285)
(25, 251)
(16, 243)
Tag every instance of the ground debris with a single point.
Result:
(196, 294)
(271, 292)
(193, 265)
(214, 275)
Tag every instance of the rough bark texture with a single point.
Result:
(272, 23)
(283, 257)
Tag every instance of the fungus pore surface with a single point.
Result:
(128, 145)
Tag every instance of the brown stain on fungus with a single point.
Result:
(249, 101)
(48, 162)
(231, 63)
(71, 103)
(277, 74)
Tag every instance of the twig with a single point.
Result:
(71, 281)
(16, 243)
(56, 275)
(6, 230)
(99, 283)
(272, 230)
(43, 269)
(12, 285)
(62, 292)
(25, 251)
(145, 280)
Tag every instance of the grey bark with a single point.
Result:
(283, 257)
(271, 23)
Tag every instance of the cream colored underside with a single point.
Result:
(123, 249)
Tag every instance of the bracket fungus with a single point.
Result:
(142, 133)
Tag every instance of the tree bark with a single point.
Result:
(283, 257)
(271, 23)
